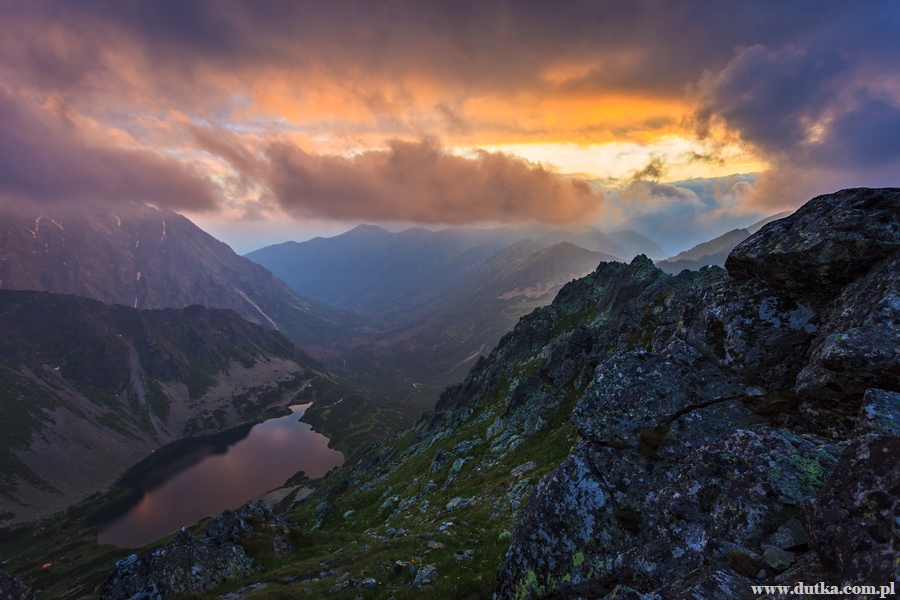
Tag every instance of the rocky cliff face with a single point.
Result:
(87, 389)
(676, 436)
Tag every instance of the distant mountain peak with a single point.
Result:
(366, 229)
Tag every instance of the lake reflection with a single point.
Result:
(271, 453)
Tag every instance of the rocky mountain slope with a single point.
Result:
(672, 437)
(88, 389)
(142, 257)
(645, 436)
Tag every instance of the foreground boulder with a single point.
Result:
(853, 521)
(857, 348)
(829, 242)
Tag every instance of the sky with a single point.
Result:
(267, 121)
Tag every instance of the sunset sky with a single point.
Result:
(266, 121)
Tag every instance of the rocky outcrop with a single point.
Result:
(702, 468)
(14, 588)
(829, 242)
(189, 566)
(184, 566)
(856, 349)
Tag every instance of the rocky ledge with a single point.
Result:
(749, 435)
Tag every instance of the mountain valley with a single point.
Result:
(436, 300)
(90, 389)
(644, 435)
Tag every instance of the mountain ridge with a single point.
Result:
(138, 256)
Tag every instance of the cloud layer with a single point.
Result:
(320, 109)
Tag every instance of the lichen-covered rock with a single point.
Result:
(880, 413)
(610, 516)
(231, 526)
(14, 588)
(634, 393)
(425, 576)
(184, 566)
(853, 520)
(857, 348)
(227, 528)
(829, 242)
(758, 331)
(569, 518)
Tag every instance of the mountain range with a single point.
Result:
(436, 300)
(376, 271)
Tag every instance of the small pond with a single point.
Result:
(194, 478)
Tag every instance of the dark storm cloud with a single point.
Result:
(866, 133)
(824, 111)
(423, 183)
(645, 46)
(771, 97)
(44, 159)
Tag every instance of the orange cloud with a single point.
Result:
(421, 182)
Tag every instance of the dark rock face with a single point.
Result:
(607, 516)
(829, 242)
(857, 348)
(14, 588)
(701, 470)
(758, 331)
(639, 391)
(185, 566)
(853, 519)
